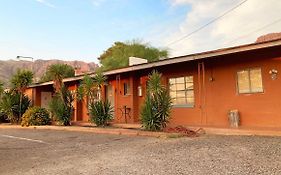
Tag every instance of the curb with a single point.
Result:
(114, 131)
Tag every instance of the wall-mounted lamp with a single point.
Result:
(211, 79)
(273, 73)
(139, 91)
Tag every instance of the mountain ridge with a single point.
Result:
(39, 67)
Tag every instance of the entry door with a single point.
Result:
(110, 96)
(46, 97)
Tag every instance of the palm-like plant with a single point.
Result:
(61, 106)
(64, 69)
(20, 81)
(9, 106)
(86, 88)
(99, 80)
(155, 113)
(90, 87)
(56, 73)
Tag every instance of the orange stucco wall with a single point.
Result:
(213, 99)
(256, 110)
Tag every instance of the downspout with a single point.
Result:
(202, 91)
(117, 79)
(199, 91)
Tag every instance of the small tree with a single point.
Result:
(118, 54)
(20, 81)
(58, 71)
(155, 113)
(9, 106)
(61, 106)
(91, 87)
(86, 89)
(99, 80)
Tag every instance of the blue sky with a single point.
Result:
(83, 29)
(79, 29)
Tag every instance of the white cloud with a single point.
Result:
(247, 18)
(46, 3)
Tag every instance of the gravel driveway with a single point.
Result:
(64, 152)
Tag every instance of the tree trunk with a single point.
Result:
(20, 109)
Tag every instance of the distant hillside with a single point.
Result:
(9, 67)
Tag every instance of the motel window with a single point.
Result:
(126, 89)
(249, 81)
(181, 91)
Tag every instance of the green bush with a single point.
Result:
(101, 112)
(61, 106)
(35, 116)
(155, 113)
(10, 106)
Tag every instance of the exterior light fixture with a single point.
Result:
(139, 91)
(273, 73)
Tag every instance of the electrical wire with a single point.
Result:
(212, 21)
(252, 32)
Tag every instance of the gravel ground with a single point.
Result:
(64, 152)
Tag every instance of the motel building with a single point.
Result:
(204, 88)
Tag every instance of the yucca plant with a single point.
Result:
(11, 107)
(101, 112)
(155, 113)
(19, 82)
(61, 106)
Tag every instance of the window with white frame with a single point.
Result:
(249, 81)
(181, 91)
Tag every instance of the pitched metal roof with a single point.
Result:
(174, 60)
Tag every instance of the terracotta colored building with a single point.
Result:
(204, 87)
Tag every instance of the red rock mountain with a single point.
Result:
(9, 67)
(269, 37)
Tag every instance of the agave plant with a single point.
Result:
(101, 112)
(155, 113)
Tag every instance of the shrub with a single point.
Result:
(61, 106)
(10, 106)
(101, 112)
(3, 117)
(155, 113)
(35, 116)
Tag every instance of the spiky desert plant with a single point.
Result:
(101, 112)
(155, 113)
(61, 106)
